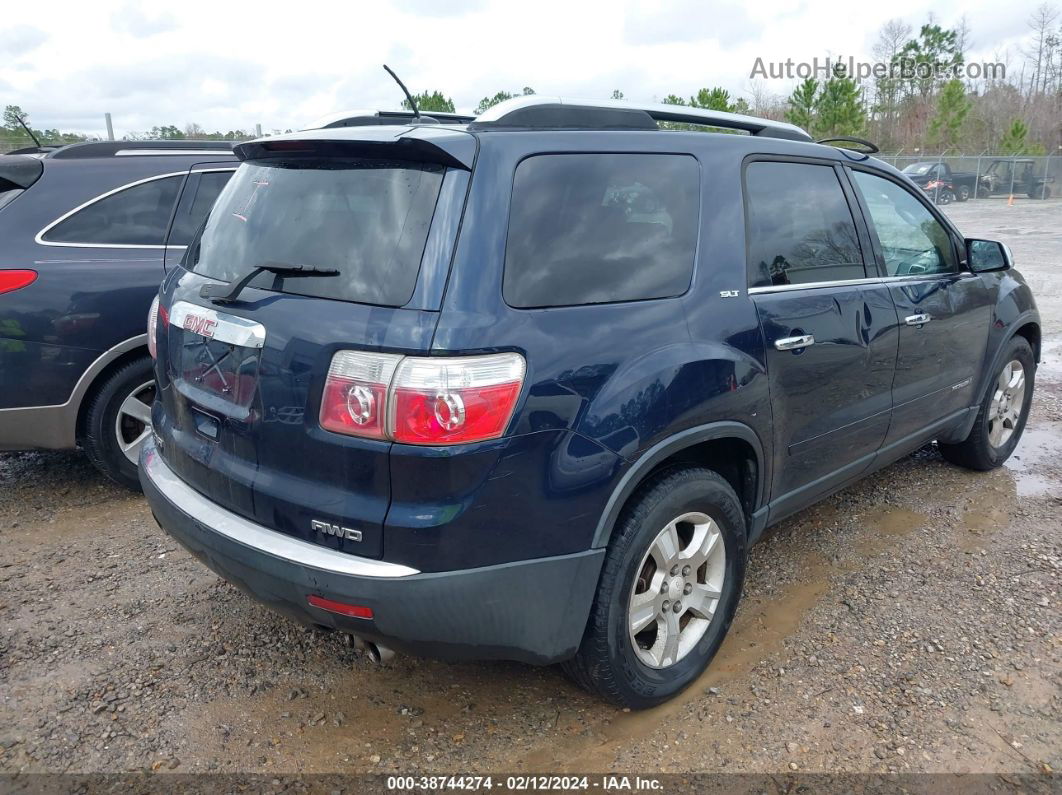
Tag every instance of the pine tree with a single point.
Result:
(712, 99)
(946, 127)
(1014, 139)
(803, 103)
(840, 109)
(433, 100)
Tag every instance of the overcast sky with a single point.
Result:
(230, 65)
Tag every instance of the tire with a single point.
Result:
(1040, 193)
(608, 661)
(109, 426)
(992, 438)
(963, 193)
(947, 197)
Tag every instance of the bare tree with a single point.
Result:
(1039, 53)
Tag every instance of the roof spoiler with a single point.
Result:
(429, 144)
(20, 170)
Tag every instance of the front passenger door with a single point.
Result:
(944, 312)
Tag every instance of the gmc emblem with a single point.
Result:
(330, 529)
(197, 324)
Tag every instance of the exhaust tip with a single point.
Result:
(381, 655)
(378, 654)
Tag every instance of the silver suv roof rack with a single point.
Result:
(538, 111)
(366, 117)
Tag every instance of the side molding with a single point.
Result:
(667, 448)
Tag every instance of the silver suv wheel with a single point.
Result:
(1007, 402)
(677, 591)
(132, 426)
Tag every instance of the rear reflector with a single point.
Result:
(435, 400)
(16, 279)
(354, 611)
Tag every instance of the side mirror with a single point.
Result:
(985, 256)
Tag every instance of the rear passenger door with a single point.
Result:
(829, 327)
(201, 189)
(944, 312)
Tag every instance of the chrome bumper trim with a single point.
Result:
(255, 536)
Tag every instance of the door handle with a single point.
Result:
(794, 343)
(917, 320)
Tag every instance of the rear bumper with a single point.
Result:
(533, 611)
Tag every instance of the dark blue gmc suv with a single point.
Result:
(529, 385)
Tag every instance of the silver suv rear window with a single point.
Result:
(366, 218)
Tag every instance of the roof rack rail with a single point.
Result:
(126, 148)
(538, 111)
(368, 118)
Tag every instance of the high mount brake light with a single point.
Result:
(11, 280)
(421, 400)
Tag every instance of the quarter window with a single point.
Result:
(601, 228)
(912, 240)
(136, 216)
(800, 229)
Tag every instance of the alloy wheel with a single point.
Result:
(132, 426)
(1008, 399)
(679, 584)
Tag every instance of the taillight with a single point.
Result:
(156, 314)
(16, 279)
(421, 400)
(355, 393)
(453, 400)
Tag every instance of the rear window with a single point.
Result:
(601, 228)
(367, 219)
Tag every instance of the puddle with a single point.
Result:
(1037, 460)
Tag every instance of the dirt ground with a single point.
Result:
(909, 623)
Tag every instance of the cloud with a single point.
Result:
(435, 8)
(135, 21)
(21, 39)
(688, 21)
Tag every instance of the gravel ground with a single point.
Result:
(909, 623)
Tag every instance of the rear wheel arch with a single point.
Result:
(731, 449)
(98, 379)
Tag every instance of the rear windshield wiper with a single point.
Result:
(227, 293)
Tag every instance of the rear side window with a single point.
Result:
(800, 229)
(191, 213)
(601, 228)
(368, 219)
(135, 216)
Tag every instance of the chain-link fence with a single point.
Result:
(984, 175)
